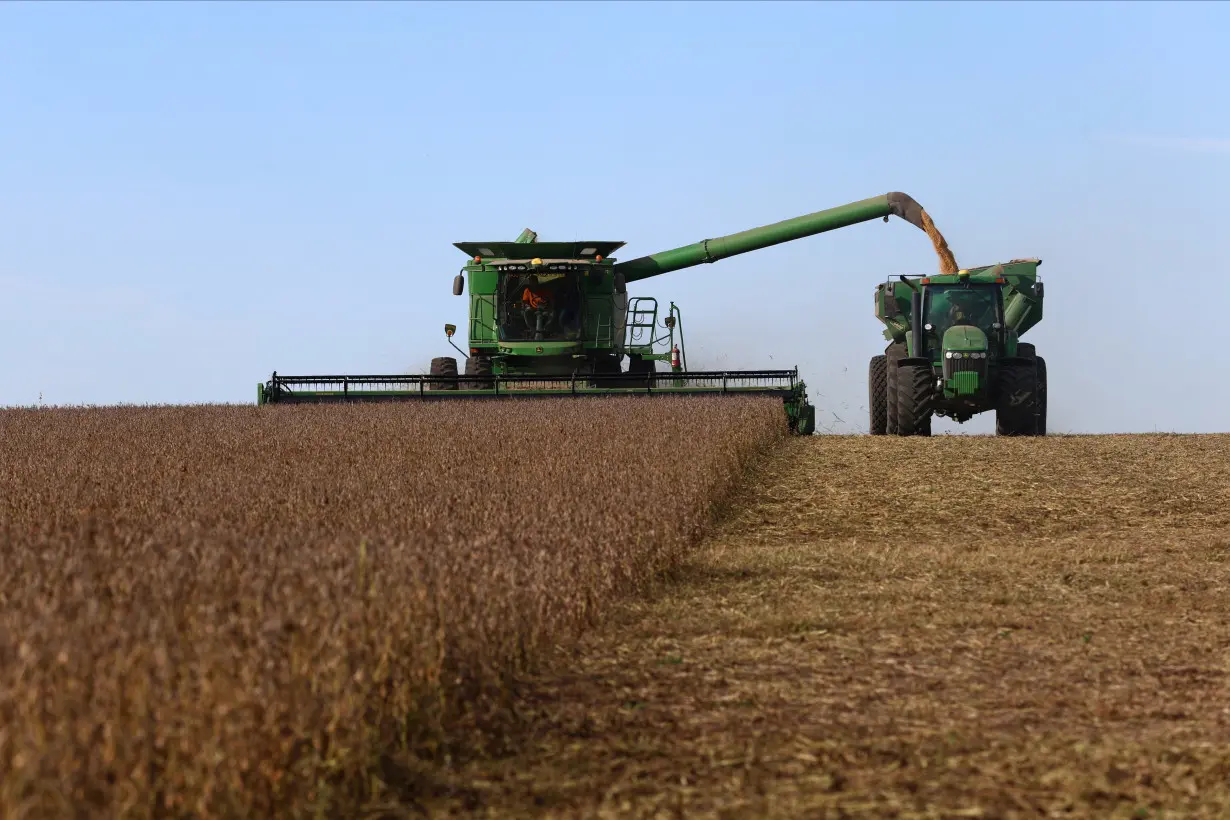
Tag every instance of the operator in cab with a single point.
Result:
(535, 295)
(969, 308)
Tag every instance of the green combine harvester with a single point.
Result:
(554, 319)
(954, 350)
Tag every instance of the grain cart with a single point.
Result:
(552, 319)
(954, 350)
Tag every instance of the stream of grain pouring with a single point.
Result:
(948, 263)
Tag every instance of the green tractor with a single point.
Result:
(553, 319)
(954, 350)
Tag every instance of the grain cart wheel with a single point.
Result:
(1041, 395)
(445, 366)
(1016, 400)
(877, 398)
(478, 366)
(915, 398)
(893, 354)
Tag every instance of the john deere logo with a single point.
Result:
(538, 350)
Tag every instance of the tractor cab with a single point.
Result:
(964, 316)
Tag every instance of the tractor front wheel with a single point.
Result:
(877, 398)
(915, 399)
(444, 367)
(1016, 404)
(893, 354)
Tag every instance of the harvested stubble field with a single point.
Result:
(881, 627)
(249, 612)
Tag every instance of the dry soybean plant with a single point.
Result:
(226, 611)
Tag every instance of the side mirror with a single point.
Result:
(449, 330)
(459, 284)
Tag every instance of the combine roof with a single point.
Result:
(542, 250)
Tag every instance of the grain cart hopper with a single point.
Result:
(551, 319)
(954, 350)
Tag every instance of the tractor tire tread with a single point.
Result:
(915, 399)
(1041, 362)
(1017, 418)
(877, 387)
(892, 354)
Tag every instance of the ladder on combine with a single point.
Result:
(642, 322)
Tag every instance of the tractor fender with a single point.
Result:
(914, 361)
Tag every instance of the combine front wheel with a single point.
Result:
(639, 371)
(915, 399)
(444, 367)
(877, 398)
(478, 366)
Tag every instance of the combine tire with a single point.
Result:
(638, 371)
(446, 367)
(606, 366)
(894, 354)
(478, 366)
(1016, 405)
(877, 398)
(1041, 395)
(915, 399)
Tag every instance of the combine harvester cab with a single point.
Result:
(554, 319)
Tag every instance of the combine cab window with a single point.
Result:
(948, 306)
(540, 307)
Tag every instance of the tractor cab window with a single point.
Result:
(540, 305)
(947, 306)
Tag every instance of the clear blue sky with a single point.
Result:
(194, 195)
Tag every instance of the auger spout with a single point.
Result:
(711, 250)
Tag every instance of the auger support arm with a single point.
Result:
(711, 250)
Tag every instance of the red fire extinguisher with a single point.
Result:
(675, 358)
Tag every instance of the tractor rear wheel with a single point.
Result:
(893, 354)
(915, 399)
(478, 366)
(444, 367)
(1041, 395)
(877, 398)
(1016, 400)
